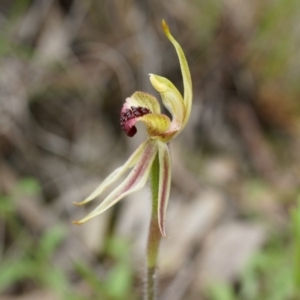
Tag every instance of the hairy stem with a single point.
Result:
(153, 237)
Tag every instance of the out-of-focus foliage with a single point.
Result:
(119, 282)
(28, 259)
(273, 273)
(274, 45)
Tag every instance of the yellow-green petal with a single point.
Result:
(171, 97)
(141, 99)
(186, 76)
(156, 124)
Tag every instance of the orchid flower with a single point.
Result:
(161, 130)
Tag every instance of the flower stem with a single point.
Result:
(153, 237)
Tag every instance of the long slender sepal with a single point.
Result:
(164, 184)
(185, 71)
(134, 182)
(115, 175)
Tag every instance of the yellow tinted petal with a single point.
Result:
(171, 97)
(156, 124)
(141, 99)
(186, 76)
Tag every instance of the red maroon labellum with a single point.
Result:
(130, 114)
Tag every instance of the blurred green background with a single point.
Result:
(66, 67)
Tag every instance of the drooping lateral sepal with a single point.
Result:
(116, 174)
(135, 180)
(164, 184)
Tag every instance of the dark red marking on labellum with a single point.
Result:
(130, 114)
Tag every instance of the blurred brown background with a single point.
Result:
(66, 67)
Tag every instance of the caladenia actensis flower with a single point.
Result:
(161, 130)
(152, 158)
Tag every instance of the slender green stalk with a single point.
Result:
(153, 237)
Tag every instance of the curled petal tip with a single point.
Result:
(163, 234)
(79, 203)
(162, 230)
(77, 222)
(165, 26)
